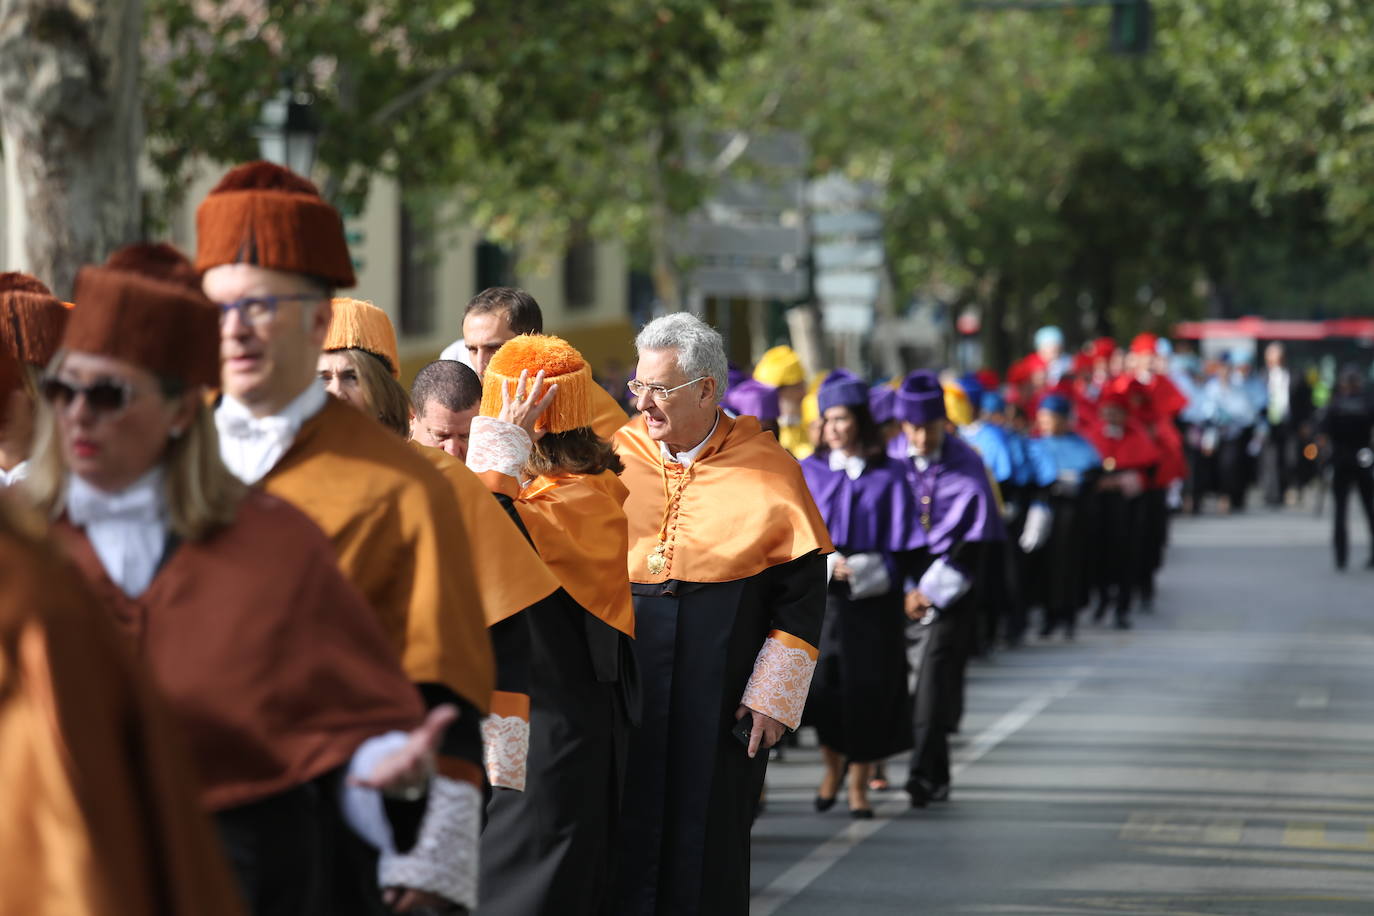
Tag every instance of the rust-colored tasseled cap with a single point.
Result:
(268, 216)
(31, 319)
(145, 306)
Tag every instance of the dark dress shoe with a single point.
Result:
(861, 814)
(825, 804)
(940, 793)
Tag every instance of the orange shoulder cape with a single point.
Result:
(742, 506)
(400, 539)
(609, 416)
(510, 576)
(578, 525)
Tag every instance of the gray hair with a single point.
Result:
(700, 349)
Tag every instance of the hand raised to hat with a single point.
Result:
(525, 409)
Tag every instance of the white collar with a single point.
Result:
(142, 501)
(251, 446)
(304, 406)
(924, 461)
(852, 465)
(127, 530)
(14, 475)
(686, 458)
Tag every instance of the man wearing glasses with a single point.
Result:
(272, 251)
(727, 570)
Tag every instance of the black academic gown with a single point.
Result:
(692, 788)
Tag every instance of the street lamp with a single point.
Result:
(289, 130)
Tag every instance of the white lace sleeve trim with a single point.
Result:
(444, 859)
(495, 445)
(780, 682)
(506, 740)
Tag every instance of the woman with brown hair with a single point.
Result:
(547, 849)
(277, 671)
(361, 366)
(858, 698)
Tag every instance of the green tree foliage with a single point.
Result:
(1030, 170)
(541, 113)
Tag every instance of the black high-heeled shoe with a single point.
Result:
(861, 814)
(824, 804)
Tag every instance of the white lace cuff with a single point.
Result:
(943, 584)
(444, 859)
(495, 445)
(506, 741)
(782, 678)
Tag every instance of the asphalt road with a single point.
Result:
(1219, 758)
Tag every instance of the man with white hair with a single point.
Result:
(727, 569)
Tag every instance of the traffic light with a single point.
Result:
(1132, 26)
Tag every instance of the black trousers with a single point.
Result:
(1344, 474)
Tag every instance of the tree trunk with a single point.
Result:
(72, 128)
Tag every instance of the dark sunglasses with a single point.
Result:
(106, 395)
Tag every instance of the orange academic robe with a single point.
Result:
(608, 416)
(401, 540)
(100, 811)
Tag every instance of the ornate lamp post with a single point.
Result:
(288, 130)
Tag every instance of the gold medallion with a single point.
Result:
(657, 561)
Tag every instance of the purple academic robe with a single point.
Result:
(962, 505)
(858, 701)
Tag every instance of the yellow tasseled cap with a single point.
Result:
(957, 405)
(359, 325)
(572, 406)
(780, 366)
(811, 405)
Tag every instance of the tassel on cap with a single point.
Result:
(572, 406)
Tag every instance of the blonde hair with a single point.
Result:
(386, 398)
(202, 495)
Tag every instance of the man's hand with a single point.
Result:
(410, 768)
(767, 730)
(917, 604)
(842, 570)
(408, 900)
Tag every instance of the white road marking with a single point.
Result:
(817, 862)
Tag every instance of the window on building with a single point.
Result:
(495, 266)
(579, 272)
(417, 296)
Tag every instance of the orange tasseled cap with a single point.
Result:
(268, 216)
(359, 325)
(572, 407)
(31, 319)
(145, 306)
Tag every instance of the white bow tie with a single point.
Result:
(273, 428)
(852, 466)
(141, 502)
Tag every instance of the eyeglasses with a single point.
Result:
(257, 311)
(106, 395)
(658, 392)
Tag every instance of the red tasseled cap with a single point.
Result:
(268, 216)
(31, 319)
(1144, 343)
(145, 306)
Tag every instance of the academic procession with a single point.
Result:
(285, 632)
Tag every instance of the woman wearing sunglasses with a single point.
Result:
(291, 699)
(31, 323)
